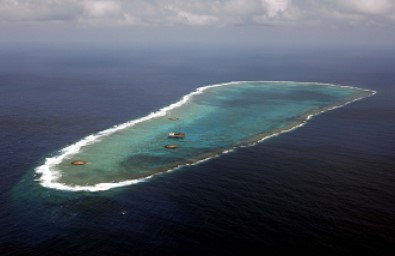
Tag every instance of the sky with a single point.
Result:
(211, 21)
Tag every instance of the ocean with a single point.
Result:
(326, 187)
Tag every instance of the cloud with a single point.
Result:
(194, 19)
(102, 9)
(279, 12)
(368, 7)
(198, 13)
(38, 11)
(275, 7)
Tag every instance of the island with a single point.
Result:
(206, 123)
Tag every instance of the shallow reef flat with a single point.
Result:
(210, 121)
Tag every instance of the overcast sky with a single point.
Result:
(339, 21)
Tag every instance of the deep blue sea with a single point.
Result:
(326, 188)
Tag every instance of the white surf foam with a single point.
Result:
(50, 175)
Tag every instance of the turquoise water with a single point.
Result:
(215, 119)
